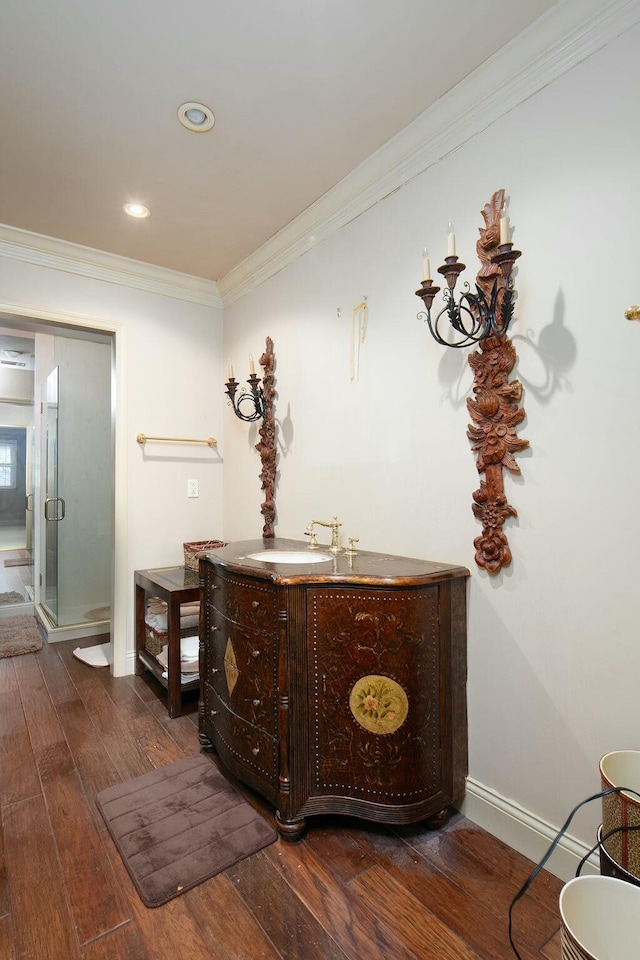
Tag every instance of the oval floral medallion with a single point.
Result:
(379, 704)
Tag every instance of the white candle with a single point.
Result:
(252, 367)
(229, 371)
(505, 227)
(451, 241)
(426, 265)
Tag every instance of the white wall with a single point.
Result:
(169, 373)
(17, 414)
(553, 668)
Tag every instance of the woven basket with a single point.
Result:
(193, 551)
(154, 640)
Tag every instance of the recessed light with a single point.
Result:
(196, 116)
(136, 210)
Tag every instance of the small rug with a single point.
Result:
(180, 825)
(19, 635)
(96, 656)
(11, 597)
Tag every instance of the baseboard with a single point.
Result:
(75, 631)
(524, 831)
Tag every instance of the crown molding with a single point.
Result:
(74, 258)
(570, 32)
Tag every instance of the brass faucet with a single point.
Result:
(335, 525)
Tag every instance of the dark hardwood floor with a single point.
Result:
(348, 891)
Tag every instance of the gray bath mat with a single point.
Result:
(177, 826)
(11, 597)
(19, 635)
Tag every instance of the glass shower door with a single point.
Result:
(53, 505)
(76, 480)
(29, 501)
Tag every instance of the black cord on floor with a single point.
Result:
(536, 870)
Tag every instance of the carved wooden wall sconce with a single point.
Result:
(258, 405)
(483, 318)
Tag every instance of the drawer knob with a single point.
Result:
(213, 629)
(214, 713)
(256, 703)
(215, 669)
(255, 604)
(255, 653)
(255, 751)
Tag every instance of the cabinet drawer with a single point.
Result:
(251, 603)
(250, 745)
(242, 668)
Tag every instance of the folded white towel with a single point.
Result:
(156, 605)
(157, 621)
(186, 666)
(184, 677)
(190, 609)
(189, 648)
(190, 623)
(189, 654)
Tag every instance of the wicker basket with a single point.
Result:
(154, 640)
(193, 551)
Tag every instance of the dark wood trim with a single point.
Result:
(266, 446)
(495, 409)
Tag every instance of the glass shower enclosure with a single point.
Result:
(76, 495)
(54, 506)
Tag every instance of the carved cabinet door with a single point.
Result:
(375, 728)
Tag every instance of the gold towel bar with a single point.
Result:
(210, 441)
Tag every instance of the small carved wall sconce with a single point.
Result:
(257, 404)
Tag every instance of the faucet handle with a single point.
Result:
(313, 539)
(351, 550)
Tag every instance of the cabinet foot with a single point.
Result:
(206, 743)
(290, 830)
(437, 820)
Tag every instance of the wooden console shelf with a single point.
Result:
(174, 585)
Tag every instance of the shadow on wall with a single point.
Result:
(555, 355)
(542, 367)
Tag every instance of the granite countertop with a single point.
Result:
(365, 567)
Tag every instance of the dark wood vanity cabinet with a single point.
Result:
(336, 690)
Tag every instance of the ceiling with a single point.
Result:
(302, 91)
(16, 352)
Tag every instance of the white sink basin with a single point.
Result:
(289, 556)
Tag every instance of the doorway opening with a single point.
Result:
(59, 469)
(16, 449)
